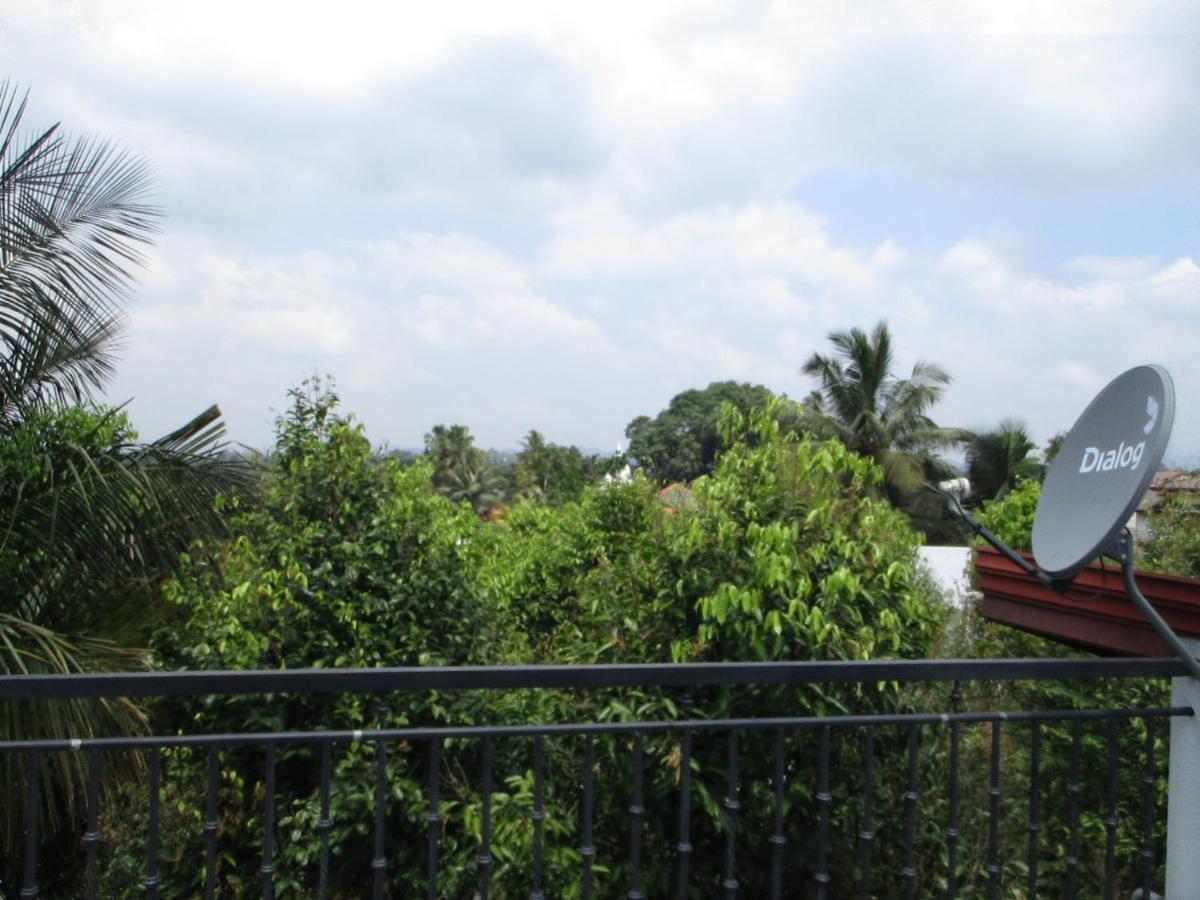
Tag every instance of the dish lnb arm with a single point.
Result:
(1059, 586)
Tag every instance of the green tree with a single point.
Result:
(682, 442)
(1174, 544)
(998, 459)
(450, 448)
(461, 471)
(348, 561)
(552, 473)
(879, 415)
(93, 520)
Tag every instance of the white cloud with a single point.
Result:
(485, 212)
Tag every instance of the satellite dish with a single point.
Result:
(1102, 469)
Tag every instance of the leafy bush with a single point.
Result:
(1011, 517)
(1174, 544)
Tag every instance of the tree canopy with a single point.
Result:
(879, 415)
(681, 443)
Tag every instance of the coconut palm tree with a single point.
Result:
(91, 520)
(997, 459)
(885, 417)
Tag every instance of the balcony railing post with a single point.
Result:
(1183, 793)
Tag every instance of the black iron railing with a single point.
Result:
(799, 770)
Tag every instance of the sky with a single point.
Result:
(557, 216)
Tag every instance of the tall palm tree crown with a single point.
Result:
(877, 414)
(997, 459)
(91, 520)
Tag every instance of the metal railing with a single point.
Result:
(797, 761)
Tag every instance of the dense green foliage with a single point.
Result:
(1011, 517)
(348, 560)
(552, 473)
(682, 442)
(1174, 544)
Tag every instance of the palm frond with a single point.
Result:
(73, 225)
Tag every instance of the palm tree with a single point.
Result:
(879, 415)
(477, 483)
(997, 459)
(535, 465)
(450, 448)
(92, 520)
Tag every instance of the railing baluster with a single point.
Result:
(587, 850)
(636, 811)
(1148, 784)
(866, 834)
(910, 815)
(539, 814)
(485, 822)
(823, 802)
(993, 863)
(952, 832)
(267, 870)
(91, 837)
(1110, 821)
(151, 879)
(1074, 789)
(325, 823)
(778, 838)
(33, 805)
(434, 816)
(732, 805)
(685, 814)
(1035, 806)
(379, 861)
(211, 822)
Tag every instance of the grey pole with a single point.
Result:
(1183, 788)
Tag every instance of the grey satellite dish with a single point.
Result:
(1102, 470)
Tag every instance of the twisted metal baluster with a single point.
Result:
(539, 814)
(379, 861)
(1148, 784)
(1074, 789)
(485, 829)
(33, 802)
(778, 838)
(1110, 820)
(211, 822)
(685, 815)
(993, 863)
(823, 801)
(91, 837)
(267, 870)
(1035, 806)
(866, 834)
(732, 805)
(151, 879)
(434, 817)
(636, 812)
(325, 823)
(952, 832)
(910, 816)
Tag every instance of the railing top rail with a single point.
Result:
(347, 681)
(658, 726)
